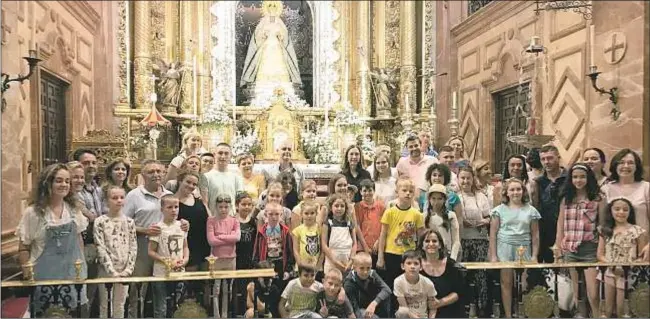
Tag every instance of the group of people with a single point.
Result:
(387, 241)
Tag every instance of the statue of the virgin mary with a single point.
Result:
(271, 60)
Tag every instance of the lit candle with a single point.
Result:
(195, 88)
(592, 45)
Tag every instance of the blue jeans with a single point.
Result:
(159, 299)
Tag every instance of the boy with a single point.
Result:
(369, 212)
(171, 243)
(300, 297)
(273, 243)
(328, 298)
(415, 293)
(262, 296)
(400, 226)
(368, 293)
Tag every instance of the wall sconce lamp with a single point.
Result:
(613, 92)
(32, 61)
(535, 46)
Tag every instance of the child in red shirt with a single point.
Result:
(369, 211)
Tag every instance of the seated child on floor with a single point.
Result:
(368, 293)
(328, 298)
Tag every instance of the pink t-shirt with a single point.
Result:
(415, 170)
(223, 235)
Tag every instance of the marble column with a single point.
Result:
(142, 54)
(203, 54)
(408, 70)
(362, 51)
(189, 39)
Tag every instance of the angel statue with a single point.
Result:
(169, 86)
(383, 82)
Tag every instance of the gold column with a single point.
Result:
(408, 70)
(188, 43)
(362, 51)
(171, 31)
(379, 33)
(142, 53)
(204, 19)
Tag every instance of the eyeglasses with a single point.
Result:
(223, 199)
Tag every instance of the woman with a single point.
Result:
(595, 159)
(483, 180)
(116, 173)
(458, 144)
(191, 164)
(626, 171)
(192, 142)
(353, 170)
(515, 166)
(254, 184)
(534, 164)
(385, 183)
(445, 274)
(49, 235)
(475, 219)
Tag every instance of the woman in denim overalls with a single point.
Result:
(49, 234)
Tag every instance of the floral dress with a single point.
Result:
(622, 248)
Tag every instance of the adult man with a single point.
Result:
(92, 197)
(222, 181)
(447, 156)
(425, 145)
(545, 190)
(415, 166)
(284, 164)
(207, 162)
(143, 205)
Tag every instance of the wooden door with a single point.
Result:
(53, 112)
(509, 121)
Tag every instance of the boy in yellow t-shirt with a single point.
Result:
(400, 226)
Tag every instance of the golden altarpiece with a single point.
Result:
(280, 67)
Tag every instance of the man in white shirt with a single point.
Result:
(222, 181)
(447, 156)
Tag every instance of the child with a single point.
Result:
(244, 247)
(400, 226)
(170, 244)
(513, 224)
(223, 234)
(369, 211)
(339, 185)
(415, 293)
(274, 194)
(288, 181)
(307, 194)
(328, 298)
(117, 248)
(440, 174)
(620, 241)
(306, 238)
(338, 238)
(368, 293)
(577, 238)
(300, 297)
(274, 243)
(439, 218)
(262, 298)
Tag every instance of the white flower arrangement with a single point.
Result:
(268, 98)
(154, 134)
(368, 149)
(319, 147)
(246, 142)
(347, 116)
(216, 115)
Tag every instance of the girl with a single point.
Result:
(223, 235)
(244, 247)
(306, 238)
(339, 185)
(290, 190)
(620, 241)
(274, 194)
(437, 217)
(514, 224)
(577, 224)
(595, 159)
(307, 194)
(352, 168)
(440, 174)
(117, 248)
(385, 183)
(338, 240)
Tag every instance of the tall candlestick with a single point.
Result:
(347, 81)
(592, 45)
(195, 87)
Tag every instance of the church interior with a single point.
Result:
(128, 79)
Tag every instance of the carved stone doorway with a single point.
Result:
(509, 121)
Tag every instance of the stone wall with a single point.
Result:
(75, 41)
(484, 54)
